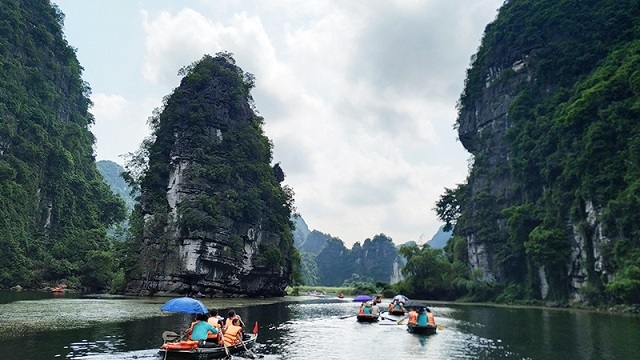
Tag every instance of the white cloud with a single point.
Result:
(358, 97)
(117, 123)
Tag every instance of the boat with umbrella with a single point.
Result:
(366, 313)
(179, 346)
(396, 307)
(421, 326)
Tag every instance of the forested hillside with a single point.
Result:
(551, 207)
(55, 207)
(213, 214)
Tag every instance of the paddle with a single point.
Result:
(249, 352)
(346, 316)
(440, 327)
(225, 349)
(401, 320)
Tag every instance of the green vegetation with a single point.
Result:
(55, 206)
(229, 173)
(572, 145)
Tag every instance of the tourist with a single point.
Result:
(423, 317)
(232, 315)
(367, 308)
(201, 330)
(375, 310)
(233, 333)
(216, 321)
(413, 317)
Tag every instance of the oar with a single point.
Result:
(346, 316)
(401, 320)
(440, 327)
(226, 349)
(249, 352)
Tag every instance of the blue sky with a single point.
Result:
(358, 97)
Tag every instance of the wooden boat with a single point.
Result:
(190, 349)
(396, 312)
(423, 330)
(59, 289)
(367, 318)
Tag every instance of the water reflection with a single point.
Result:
(43, 327)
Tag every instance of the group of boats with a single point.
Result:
(398, 308)
(178, 346)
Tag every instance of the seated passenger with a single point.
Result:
(422, 317)
(233, 333)
(367, 309)
(413, 317)
(201, 330)
(232, 315)
(432, 321)
(375, 310)
(214, 321)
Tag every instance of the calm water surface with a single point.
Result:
(41, 326)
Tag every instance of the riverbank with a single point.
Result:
(631, 310)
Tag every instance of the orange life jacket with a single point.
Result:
(214, 322)
(430, 318)
(413, 317)
(231, 335)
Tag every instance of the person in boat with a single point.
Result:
(216, 321)
(413, 317)
(190, 328)
(375, 310)
(201, 330)
(430, 319)
(425, 318)
(366, 308)
(396, 306)
(232, 333)
(232, 315)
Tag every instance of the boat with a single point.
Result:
(396, 312)
(341, 296)
(59, 290)
(189, 349)
(367, 318)
(423, 330)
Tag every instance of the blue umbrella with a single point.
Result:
(184, 305)
(362, 298)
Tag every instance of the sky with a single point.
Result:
(358, 97)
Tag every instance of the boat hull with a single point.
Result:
(367, 318)
(422, 330)
(217, 352)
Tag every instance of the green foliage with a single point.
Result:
(448, 207)
(309, 268)
(625, 287)
(428, 273)
(571, 145)
(56, 208)
(224, 159)
(270, 256)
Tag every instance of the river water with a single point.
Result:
(37, 325)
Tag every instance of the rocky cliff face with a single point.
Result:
(523, 77)
(482, 129)
(214, 217)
